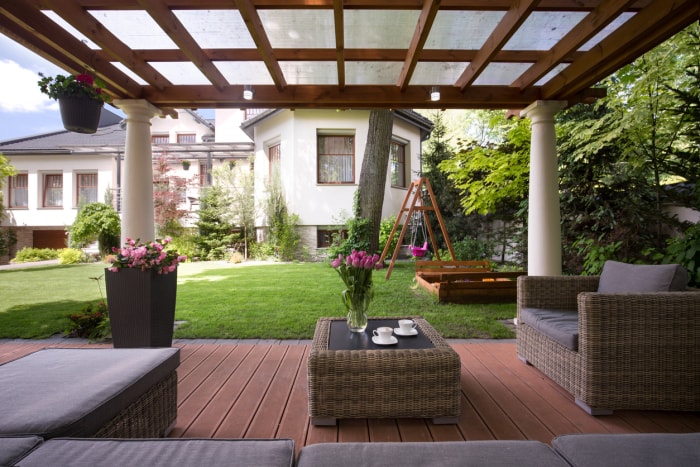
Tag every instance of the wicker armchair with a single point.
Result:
(635, 350)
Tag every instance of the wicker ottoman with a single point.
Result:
(106, 393)
(363, 380)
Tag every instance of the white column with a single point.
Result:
(137, 174)
(544, 228)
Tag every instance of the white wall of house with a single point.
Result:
(69, 167)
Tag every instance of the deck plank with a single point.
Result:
(260, 391)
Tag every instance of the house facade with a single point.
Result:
(318, 154)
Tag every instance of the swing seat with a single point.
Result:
(419, 252)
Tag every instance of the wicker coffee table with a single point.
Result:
(350, 377)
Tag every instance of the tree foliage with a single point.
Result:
(96, 221)
(239, 185)
(216, 233)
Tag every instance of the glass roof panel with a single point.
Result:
(462, 30)
(245, 72)
(130, 73)
(379, 73)
(180, 72)
(543, 29)
(310, 72)
(216, 29)
(606, 31)
(135, 28)
(554, 72)
(70, 29)
(430, 73)
(379, 29)
(501, 74)
(288, 29)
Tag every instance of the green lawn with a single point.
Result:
(218, 300)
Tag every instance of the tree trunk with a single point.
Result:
(374, 170)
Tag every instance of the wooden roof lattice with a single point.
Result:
(493, 54)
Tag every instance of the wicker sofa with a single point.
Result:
(635, 350)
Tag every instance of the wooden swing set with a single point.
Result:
(451, 281)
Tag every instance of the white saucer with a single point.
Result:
(392, 341)
(412, 332)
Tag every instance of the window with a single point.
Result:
(325, 237)
(397, 161)
(186, 138)
(19, 191)
(53, 190)
(336, 159)
(160, 139)
(203, 174)
(86, 188)
(274, 155)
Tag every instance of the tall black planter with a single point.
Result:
(80, 114)
(141, 307)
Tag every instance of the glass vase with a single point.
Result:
(357, 304)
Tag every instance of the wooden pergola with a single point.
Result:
(495, 54)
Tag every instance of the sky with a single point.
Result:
(24, 110)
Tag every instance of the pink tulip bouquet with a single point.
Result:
(152, 255)
(356, 272)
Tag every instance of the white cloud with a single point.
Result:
(19, 91)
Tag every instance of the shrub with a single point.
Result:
(91, 322)
(685, 250)
(27, 255)
(71, 256)
(261, 251)
(470, 249)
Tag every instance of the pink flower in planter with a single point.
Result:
(154, 255)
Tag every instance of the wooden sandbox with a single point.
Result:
(467, 281)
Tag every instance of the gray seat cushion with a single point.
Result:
(12, 448)
(441, 454)
(619, 277)
(162, 452)
(649, 450)
(74, 392)
(559, 325)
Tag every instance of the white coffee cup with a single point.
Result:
(383, 333)
(407, 326)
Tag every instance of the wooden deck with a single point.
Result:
(235, 390)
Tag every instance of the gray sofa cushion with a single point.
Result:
(560, 325)
(162, 452)
(74, 392)
(440, 454)
(12, 448)
(619, 277)
(649, 450)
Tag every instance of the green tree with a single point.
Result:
(492, 176)
(96, 221)
(216, 233)
(239, 184)
(281, 224)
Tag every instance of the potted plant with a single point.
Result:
(185, 165)
(141, 292)
(80, 99)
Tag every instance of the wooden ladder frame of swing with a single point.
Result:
(413, 196)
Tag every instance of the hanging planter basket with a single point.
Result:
(80, 114)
